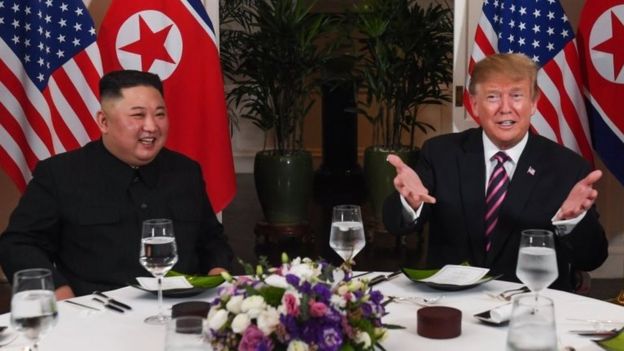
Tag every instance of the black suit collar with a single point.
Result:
(121, 173)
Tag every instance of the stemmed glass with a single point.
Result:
(537, 259)
(33, 305)
(158, 255)
(347, 233)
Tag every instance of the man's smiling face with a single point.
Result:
(504, 108)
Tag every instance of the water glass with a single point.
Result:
(347, 232)
(532, 324)
(186, 333)
(537, 259)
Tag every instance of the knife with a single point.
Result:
(382, 278)
(82, 305)
(109, 306)
(112, 301)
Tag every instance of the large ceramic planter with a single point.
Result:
(284, 185)
(379, 174)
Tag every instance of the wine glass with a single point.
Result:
(158, 255)
(537, 259)
(347, 233)
(33, 305)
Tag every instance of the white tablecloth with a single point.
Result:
(81, 330)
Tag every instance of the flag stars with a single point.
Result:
(1, 4)
(535, 44)
(39, 14)
(27, 27)
(41, 46)
(512, 8)
(523, 10)
(15, 7)
(550, 46)
(62, 22)
(78, 11)
(49, 3)
(40, 30)
(61, 38)
(48, 18)
(551, 15)
(536, 29)
(15, 24)
(510, 38)
(1, 20)
(92, 31)
(27, 10)
(521, 41)
(522, 26)
(47, 34)
(15, 40)
(27, 58)
(47, 49)
(537, 13)
(495, 18)
(564, 18)
(512, 24)
(76, 42)
(535, 58)
(40, 77)
(41, 62)
(27, 42)
(551, 1)
(550, 31)
(77, 27)
(565, 33)
(495, 3)
(64, 7)
(60, 53)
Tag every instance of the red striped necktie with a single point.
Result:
(495, 195)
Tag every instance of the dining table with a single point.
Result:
(80, 329)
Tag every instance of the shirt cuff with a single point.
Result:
(408, 212)
(564, 227)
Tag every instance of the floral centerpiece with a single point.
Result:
(300, 305)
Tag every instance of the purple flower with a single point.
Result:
(376, 296)
(254, 340)
(330, 340)
(322, 292)
(290, 324)
(305, 288)
(292, 280)
(366, 309)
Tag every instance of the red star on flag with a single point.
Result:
(151, 45)
(614, 45)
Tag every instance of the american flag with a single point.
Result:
(49, 70)
(540, 29)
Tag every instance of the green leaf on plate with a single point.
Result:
(418, 274)
(200, 281)
(613, 343)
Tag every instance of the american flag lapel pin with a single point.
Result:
(531, 170)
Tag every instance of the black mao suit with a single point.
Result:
(81, 216)
(452, 168)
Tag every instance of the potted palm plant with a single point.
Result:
(405, 63)
(270, 52)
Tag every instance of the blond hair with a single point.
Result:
(515, 66)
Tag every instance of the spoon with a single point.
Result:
(418, 300)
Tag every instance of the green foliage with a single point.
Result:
(270, 52)
(200, 281)
(405, 61)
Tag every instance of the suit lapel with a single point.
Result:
(524, 179)
(472, 179)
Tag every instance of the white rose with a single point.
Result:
(212, 311)
(253, 305)
(355, 285)
(240, 323)
(343, 289)
(234, 304)
(338, 301)
(304, 271)
(268, 320)
(363, 338)
(218, 319)
(297, 345)
(277, 281)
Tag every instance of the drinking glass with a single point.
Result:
(186, 334)
(347, 232)
(33, 305)
(537, 260)
(532, 324)
(158, 255)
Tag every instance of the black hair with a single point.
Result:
(112, 82)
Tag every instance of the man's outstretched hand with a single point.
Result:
(408, 183)
(581, 197)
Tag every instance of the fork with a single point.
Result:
(508, 294)
(419, 300)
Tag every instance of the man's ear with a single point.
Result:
(102, 121)
(534, 102)
(473, 103)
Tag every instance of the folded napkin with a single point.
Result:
(501, 313)
(178, 282)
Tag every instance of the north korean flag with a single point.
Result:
(176, 40)
(601, 46)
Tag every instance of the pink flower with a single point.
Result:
(317, 309)
(254, 340)
(291, 302)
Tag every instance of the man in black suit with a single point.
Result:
(548, 187)
(81, 214)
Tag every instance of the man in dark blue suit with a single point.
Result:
(547, 185)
